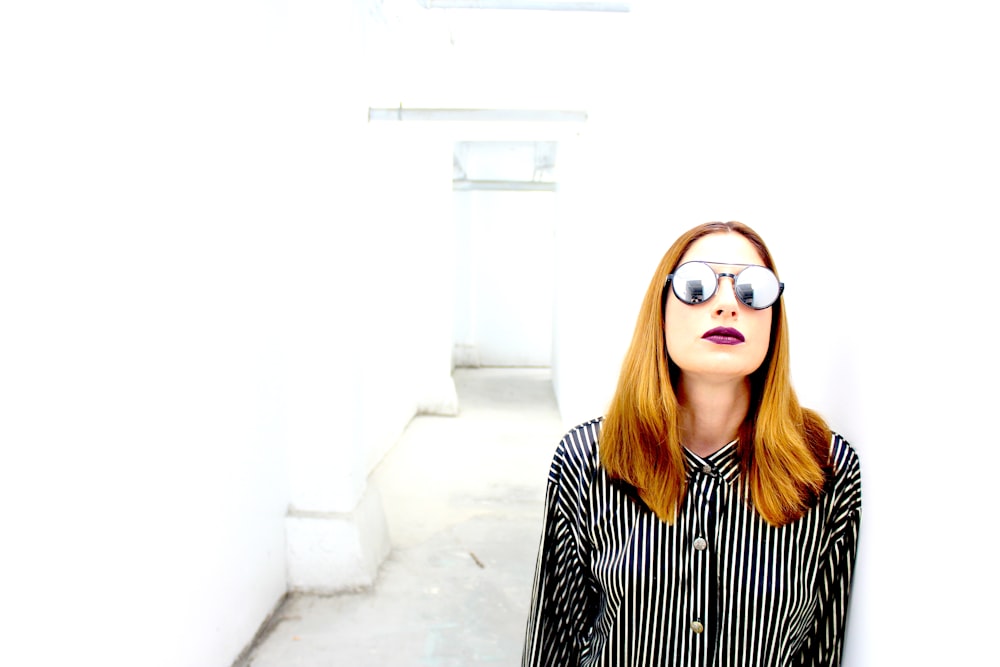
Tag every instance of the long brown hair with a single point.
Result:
(783, 447)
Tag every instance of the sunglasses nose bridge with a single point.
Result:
(723, 292)
(732, 280)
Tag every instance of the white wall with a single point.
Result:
(144, 469)
(860, 140)
(506, 254)
(209, 315)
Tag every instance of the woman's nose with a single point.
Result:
(724, 302)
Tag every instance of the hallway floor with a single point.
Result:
(463, 502)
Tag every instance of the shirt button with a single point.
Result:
(697, 627)
(701, 544)
(707, 470)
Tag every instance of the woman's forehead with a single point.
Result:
(723, 248)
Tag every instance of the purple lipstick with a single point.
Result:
(724, 336)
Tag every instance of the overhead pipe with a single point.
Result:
(492, 115)
(547, 5)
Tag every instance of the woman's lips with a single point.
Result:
(724, 336)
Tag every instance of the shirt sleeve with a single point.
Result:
(824, 645)
(563, 597)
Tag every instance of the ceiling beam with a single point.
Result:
(503, 186)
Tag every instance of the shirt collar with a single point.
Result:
(724, 463)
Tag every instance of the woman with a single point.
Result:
(707, 519)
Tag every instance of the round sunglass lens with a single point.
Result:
(757, 287)
(694, 282)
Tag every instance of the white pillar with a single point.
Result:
(336, 535)
(370, 271)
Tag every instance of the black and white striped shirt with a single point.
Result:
(616, 586)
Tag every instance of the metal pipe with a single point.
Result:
(547, 5)
(493, 115)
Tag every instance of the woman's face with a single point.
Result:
(720, 338)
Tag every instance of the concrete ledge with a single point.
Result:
(439, 398)
(333, 552)
(465, 356)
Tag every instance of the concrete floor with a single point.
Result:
(463, 501)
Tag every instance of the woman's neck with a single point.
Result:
(712, 412)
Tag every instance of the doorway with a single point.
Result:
(505, 211)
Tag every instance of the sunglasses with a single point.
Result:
(696, 282)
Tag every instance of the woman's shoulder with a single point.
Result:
(846, 475)
(843, 456)
(577, 458)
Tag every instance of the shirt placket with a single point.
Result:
(704, 487)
